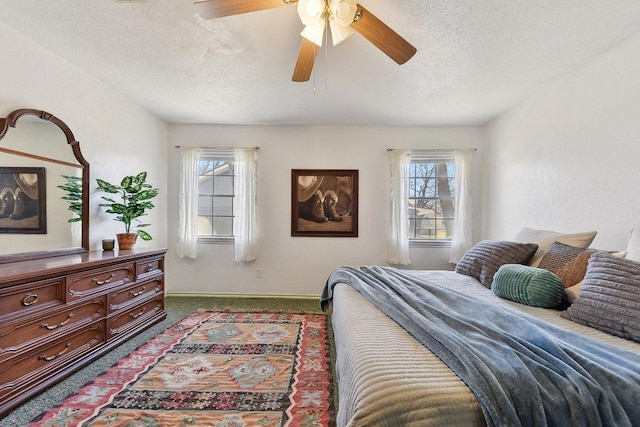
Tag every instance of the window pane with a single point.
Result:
(205, 206)
(205, 185)
(223, 185)
(223, 226)
(204, 226)
(223, 206)
(224, 168)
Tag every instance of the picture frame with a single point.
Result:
(324, 202)
(23, 200)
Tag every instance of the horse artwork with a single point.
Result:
(324, 202)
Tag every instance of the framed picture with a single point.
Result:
(23, 200)
(324, 203)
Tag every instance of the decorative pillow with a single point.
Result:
(528, 285)
(572, 292)
(544, 239)
(483, 260)
(633, 247)
(568, 262)
(610, 297)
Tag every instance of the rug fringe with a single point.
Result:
(230, 309)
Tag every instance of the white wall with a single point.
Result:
(301, 265)
(567, 158)
(116, 136)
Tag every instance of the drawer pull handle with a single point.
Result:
(135, 316)
(30, 299)
(149, 268)
(98, 282)
(52, 327)
(55, 356)
(135, 294)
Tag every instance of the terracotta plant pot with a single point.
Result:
(126, 241)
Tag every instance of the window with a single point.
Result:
(217, 200)
(216, 175)
(431, 201)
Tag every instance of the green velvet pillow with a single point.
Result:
(528, 285)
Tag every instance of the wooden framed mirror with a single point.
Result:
(39, 159)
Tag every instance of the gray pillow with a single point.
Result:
(485, 258)
(609, 299)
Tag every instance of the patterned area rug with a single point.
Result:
(214, 369)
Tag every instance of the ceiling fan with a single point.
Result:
(343, 16)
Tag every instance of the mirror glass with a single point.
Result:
(38, 155)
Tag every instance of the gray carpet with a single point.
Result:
(177, 308)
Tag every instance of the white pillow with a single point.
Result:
(633, 247)
(545, 238)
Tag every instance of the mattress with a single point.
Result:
(386, 378)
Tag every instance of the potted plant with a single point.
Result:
(73, 195)
(135, 195)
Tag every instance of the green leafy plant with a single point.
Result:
(73, 188)
(135, 195)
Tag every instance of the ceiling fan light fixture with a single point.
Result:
(343, 11)
(340, 33)
(311, 12)
(314, 33)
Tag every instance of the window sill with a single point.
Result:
(430, 243)
(220, 240)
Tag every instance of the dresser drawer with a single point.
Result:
(23, 370)
(23, 299)
(88, 282)
(134, 294)
(125, 320)
(21, 334)
(150, 267)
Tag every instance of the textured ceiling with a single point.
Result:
(476, 58)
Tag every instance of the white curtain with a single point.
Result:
(462, 239)
(398, 246)
(245, 212)
(187, 203)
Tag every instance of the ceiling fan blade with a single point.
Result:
(383, 37)
(306, 59)
(210, 9)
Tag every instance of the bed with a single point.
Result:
(387, 376)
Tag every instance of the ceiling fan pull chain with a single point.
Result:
(326, 52)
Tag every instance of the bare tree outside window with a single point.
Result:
(431, 199)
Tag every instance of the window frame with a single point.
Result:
(434, 157)
(227, 156)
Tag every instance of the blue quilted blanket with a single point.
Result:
(522, 370)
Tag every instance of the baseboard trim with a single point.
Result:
(217, 295)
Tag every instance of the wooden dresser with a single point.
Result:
(58, 314)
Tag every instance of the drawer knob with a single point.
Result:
(45, 325)
(98, 282)
(149, 268)
(55, 356)
(30, 299)
(135, 294)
